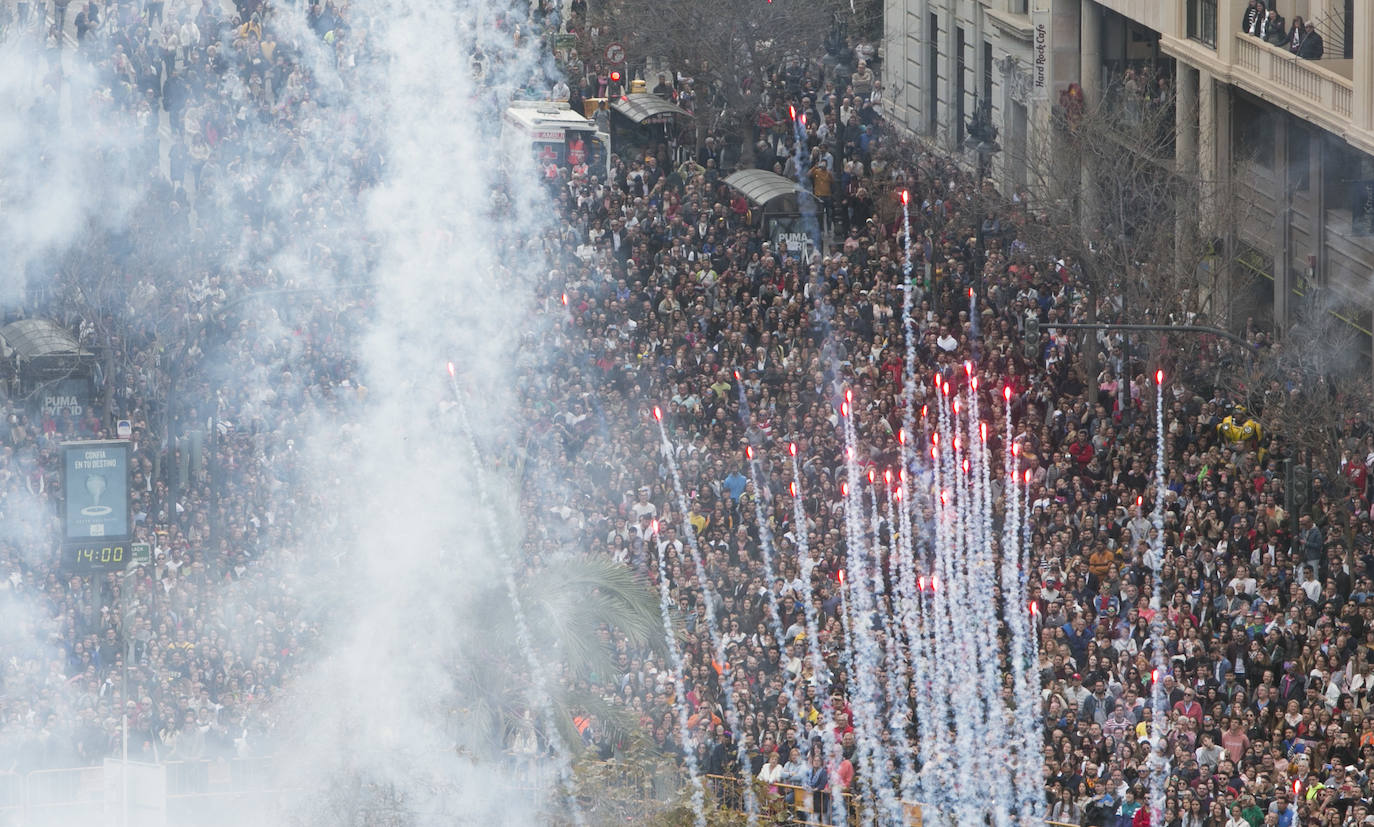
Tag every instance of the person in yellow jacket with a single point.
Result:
(1240, 429)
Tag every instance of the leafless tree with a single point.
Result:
(1304, 385)
(729, 47)
(1108, 196)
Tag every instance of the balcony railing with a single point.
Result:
(1309, 84)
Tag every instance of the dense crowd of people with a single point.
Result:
(675, 292)
(662, 291)
(192, 649)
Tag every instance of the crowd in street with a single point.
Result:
(674, 298)
(677, 300)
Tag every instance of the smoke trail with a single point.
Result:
(727, 669)
(996, 765)
(538, 691)
(829, 746)
(665, 604)
(911, 592)
(1159, 759)
(1024, 751)
(866, 657)
(897, 666)
(1028, 705)
(766, 544)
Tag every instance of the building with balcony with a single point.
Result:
(1286, 143)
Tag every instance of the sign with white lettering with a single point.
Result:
(95, 489)
(65, 398)
(1042, 74)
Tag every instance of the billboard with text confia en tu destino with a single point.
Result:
(95, 508)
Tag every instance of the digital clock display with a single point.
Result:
(95, 557)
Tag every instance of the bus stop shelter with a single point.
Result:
(45, 364)
(640, 120)
(791, 217)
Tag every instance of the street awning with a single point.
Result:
(768, 189)
(643, 107)
(37, 338)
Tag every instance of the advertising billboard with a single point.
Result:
(95, 485)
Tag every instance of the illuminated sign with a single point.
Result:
(95, 505)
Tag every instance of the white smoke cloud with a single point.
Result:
(386, 578)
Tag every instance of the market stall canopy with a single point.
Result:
(642, 108)
(769, 191)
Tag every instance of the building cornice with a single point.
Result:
(1017, 25)
(1306, 89)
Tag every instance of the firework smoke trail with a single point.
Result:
(1032, 763)
(911, 603)
(766, 544)
(856, 703)
(968, 496)
(898, 665)
(1024, 746)
(665, 607)
(727, 670)
(539, 690)
(829, 745)
(955, 575)
(1159, 772)
(1013, 609)
(1011, 550)
(935, 691)
(997, 764)
(957, 588)
(892, 696)
(910, 592)
(867, 657)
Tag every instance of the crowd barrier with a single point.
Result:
(221, 791)
(793, 805)
(84, 795)
(790, 804)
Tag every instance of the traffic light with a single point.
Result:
(615, 77)
(1030, 343)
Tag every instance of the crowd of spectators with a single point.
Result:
(670, 291)
(1265, 22)
(202, 114)
(202, 665)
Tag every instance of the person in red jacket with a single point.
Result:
(1081, 449)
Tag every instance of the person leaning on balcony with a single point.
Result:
(1311, 47)
(1271, 30)
(1296, 34)
(1254, 13)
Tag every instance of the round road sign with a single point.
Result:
(615, 53)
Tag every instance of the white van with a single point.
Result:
(552, 133)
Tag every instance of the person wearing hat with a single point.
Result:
(1189, 705)
(1240, 429)
(1076, 693)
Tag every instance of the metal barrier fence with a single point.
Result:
(84, 795)
(790, 804)
(221, 792)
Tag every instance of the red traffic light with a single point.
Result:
(615, 77)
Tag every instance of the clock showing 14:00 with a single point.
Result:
(80, 558)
